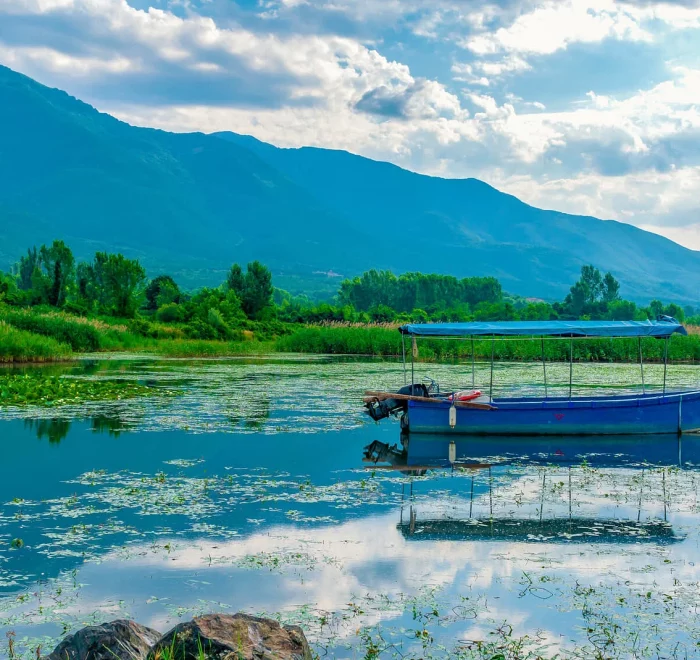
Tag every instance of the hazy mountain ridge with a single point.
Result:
(192, 203)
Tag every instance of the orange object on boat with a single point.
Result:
(465, 395)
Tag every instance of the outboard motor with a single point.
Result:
(382, 409)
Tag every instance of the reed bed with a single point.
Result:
(31, 336)
(202, 348)
(22, 346)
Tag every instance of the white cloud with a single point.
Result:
(116, 35)
(49, 59)
(631, 157)
(509, 64)
(555, 24)
(688, 236)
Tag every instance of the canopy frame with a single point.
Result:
(664, 327)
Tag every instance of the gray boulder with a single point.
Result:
(117, 640)
(234, 637)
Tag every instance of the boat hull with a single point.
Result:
(677, 412)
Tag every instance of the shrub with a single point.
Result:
(170, 313)
(142, 327)
(198, 329)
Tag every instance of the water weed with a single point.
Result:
(38, 389)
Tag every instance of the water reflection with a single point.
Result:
(557, 509)
(420, 452)
(54, 430)
(410, 545)
(113, 425)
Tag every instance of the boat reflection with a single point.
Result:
(421, 452)
(547, 490)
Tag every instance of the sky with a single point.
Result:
(585, 106)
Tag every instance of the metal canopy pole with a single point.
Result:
(413, 340)
(641, 365)
(544, 369)
(403, 353)
(491, 382)
(571, 363)
(665, 362)
(472, 362)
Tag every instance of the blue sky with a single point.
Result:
(585, 106)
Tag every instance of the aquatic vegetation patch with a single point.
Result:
(308, 395)
(44, 390)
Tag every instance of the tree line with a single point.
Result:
(114, 285)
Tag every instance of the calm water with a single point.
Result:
(252, 491)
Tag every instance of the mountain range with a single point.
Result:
(191, 204)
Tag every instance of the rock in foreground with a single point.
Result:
(235, 637)
(118, 640)
(213, 636)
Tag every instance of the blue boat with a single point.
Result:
(423, 409)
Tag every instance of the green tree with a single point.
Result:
(656, 308)
(409, 291)
(676, 311)
(592, 283)
(622, 310)
(257, 289)
(26, 268)
(120, 282)
(610, 290)
(235, 280)
(91, 286)
(58, 270)
(162, 290)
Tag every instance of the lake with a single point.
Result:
(253, 490)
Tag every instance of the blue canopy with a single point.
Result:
(662, 328)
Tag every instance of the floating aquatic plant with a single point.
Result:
(39, 389)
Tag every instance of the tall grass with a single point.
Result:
(386, 341)
(195, 348)
(81, 334)
(52, 335)
(341, 340)
(22, 346)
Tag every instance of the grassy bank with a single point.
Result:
(27, 336)
(23, 346)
